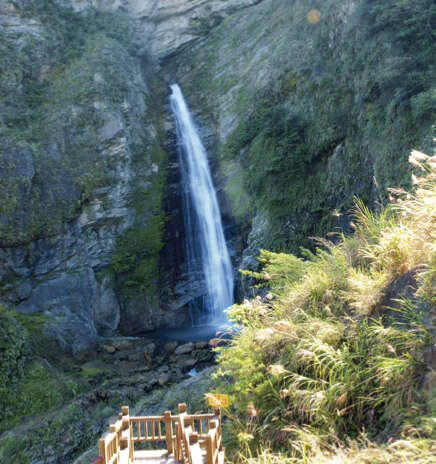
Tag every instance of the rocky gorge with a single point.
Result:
(295, 121)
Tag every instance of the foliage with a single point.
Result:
(325, 361)
(348, 98)
(134, 259)
(38, 391)
(14, 348)
(27, 385)
(51, 152)
(135, 262)
(58, 437)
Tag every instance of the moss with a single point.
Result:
(357, 84)
(51, 121)
(14, 349)
(29, 385)
(59, 438)
(38, 391)
(135, 262)
(93, 372)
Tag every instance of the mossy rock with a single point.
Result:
(14, 349)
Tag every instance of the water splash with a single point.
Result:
(206, 249)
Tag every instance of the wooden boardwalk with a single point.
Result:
(188, 439)
(154, 457)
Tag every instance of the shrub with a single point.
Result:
(317, 366)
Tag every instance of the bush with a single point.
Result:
(321, 361)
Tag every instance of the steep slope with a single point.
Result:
(311, 105)
(337, 363)
(82, 172)
(301, 108)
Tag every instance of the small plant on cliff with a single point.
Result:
(330, 366)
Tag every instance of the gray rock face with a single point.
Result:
(67, 193)
(164, 26)
(106, 309)
(68, 298)
(81, 132)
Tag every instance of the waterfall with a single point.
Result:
(207, 255)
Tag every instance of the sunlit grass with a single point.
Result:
(330, 365)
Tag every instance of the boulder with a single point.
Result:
(184, 349)
(189, 362)
(201, 345)
(170, 347)
(123, 344)
(163, 378)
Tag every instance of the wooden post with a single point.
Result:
(113, 429)
(177, 449)
(131, 446)
(126, 423)
(102, 450)
(209, 449)
(125, 410)
(193, 438)
(213, 424)
(124, 442)
(169, 431)
(187, 421)
(182, 408)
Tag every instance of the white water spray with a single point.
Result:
(206, 248)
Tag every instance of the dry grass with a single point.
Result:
(316, 364)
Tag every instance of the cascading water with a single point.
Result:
(206, 249)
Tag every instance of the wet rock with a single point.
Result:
(147, 358)
(170, 347)
(201, 345)
(109, 349)
(150, 348)
(189, 362)
(123, 344)
(204, 355)
(183, 349)
(106, 309)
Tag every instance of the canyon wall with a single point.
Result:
(302, 107)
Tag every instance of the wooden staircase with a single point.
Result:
(189, 439)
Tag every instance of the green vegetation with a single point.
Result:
(50, 92)
(29, 385)
(135, 262)
(326, 111)
(61, 436)
(13, 350)
(329, 367)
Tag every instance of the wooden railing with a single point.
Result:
(154, 429)
(191, 438)
(214, 443)
(117, 446)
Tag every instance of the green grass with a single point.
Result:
(322, 368)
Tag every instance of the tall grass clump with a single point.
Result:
(330, 365)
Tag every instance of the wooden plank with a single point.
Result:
(169, 431)
(147, 418)
(196, 456)
(154, 457)
(102, 449)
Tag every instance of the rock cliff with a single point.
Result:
(301, 108)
